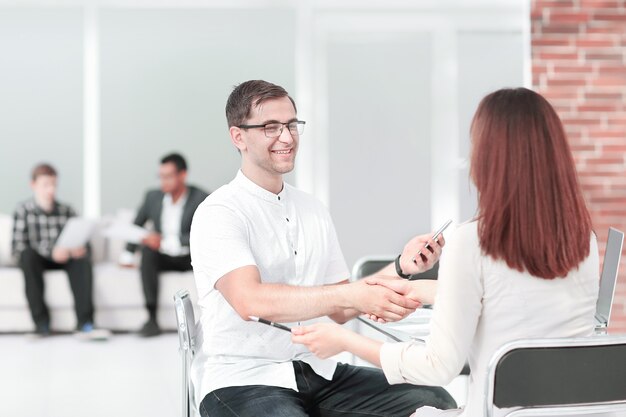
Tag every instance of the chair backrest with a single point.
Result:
(608, 278)
(369, 265)
(187, 340)
(569, 376)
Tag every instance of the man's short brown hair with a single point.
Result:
(250, 94)
(43, 169)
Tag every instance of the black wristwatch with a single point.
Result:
(399, 269)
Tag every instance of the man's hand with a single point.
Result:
(422, 291)
(77, 253)
(417, 258)
(60, 255)
(152, 240)
(380, 301)
(322, 339)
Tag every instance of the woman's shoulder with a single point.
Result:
(465, 233)
(462, 243)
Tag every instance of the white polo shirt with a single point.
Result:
(291, 239)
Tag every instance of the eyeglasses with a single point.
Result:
(275, 129)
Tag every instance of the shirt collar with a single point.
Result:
(39, 210)
(247, 184)
(167, 199)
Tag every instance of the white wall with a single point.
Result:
(379, 140)
(165, 77)
(40, 100)
(387, 89)
(394, 93)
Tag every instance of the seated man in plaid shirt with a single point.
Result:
(37, 225)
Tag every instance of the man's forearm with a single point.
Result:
(287, 303)
(249, 296)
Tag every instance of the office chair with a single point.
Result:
(187, 340)
(558, 377)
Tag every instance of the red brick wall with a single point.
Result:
(579, 64)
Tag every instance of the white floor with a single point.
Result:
(63, 377)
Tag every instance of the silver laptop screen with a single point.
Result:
(609, 274)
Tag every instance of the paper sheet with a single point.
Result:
(127, 232)
(76, 233)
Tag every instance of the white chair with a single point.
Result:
(187, 333)
(558, 377)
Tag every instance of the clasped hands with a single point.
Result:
(388, 297)
(63, 255)
(380, 297)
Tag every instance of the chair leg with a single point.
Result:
(185, 391)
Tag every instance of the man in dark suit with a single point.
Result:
(170, 210)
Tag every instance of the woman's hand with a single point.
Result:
(417, 258)
(322, 339)
(327, 339)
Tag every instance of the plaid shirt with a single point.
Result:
(34, 228)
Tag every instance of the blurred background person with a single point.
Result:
(170, 209)
(37, 225)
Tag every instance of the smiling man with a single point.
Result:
(261, 248)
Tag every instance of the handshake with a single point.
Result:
(385, 296)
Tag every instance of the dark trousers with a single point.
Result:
(80, 274)
(353, 392)
(153, 262)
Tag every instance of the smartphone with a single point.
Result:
(437, 233)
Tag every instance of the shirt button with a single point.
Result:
(295, 252)
(278, 198)
(287, 218)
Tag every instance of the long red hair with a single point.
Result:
(531, 211)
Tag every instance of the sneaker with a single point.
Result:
(41, 331)
(150, 329)
(88, 332)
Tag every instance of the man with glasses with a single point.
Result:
(170, 210)
(263, 249)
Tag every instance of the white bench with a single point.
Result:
(117, 294)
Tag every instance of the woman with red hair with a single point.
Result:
(525, 267)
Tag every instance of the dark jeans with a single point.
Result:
(153, 262)
(353, 392)
(80, 274)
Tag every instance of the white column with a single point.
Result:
(527, 39)
(91, 114)
(303, 94)
(444, 147)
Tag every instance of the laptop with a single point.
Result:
(608, 279)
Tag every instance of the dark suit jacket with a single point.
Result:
(153, 206)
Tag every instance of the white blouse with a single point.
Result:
(480, 305)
